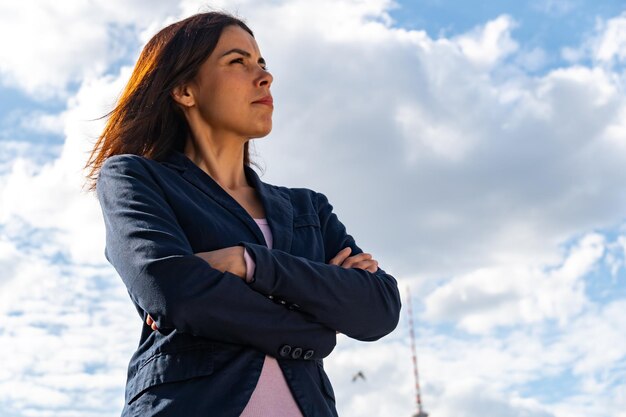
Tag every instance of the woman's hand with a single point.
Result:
(227, 259)
(361, 261)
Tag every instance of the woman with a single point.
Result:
(241, 285)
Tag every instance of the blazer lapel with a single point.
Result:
(277, 205)
(278, 210)
(192, 173)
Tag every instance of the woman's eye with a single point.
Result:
(241, 61)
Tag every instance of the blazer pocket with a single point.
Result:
(170, 367)
(307, 237)
(303, 220)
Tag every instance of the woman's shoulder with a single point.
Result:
(129, 168)
(126, 160)
(132, 164)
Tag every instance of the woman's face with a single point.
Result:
(232, 88)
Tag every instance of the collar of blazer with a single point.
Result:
(276, 202)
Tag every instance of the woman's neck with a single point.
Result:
(222, 160)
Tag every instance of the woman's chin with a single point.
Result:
(261, 133)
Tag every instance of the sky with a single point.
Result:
(476, 149)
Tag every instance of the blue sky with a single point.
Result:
(476, 149)
(551, 25)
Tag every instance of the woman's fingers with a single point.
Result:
(341, 256)
(361, 260)
(150, 322)
(352, 260)
(370, 265)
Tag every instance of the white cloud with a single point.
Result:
(512, 368)
(436, 139)
(49, 47)
(50, 196)
(611, 44)
(39, 122)
(487, 45)
(459, 142)
(606, 46)
(54, 321)
(513, 295)
(533, 60)
(617, 260)
(472, 401)
(601, 338)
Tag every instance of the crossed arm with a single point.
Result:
(232, 259)
(204, 294)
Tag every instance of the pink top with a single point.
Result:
(272, 396)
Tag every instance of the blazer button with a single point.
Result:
(283, 302)
(284, 351)
(296, 353)
(309, 354)
(271, 297)
(293, 307)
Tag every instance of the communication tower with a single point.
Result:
(418, 396)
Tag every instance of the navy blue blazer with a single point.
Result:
(214, 328)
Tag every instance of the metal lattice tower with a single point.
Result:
(418, 395)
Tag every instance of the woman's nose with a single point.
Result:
(265, 79)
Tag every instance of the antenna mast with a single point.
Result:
(418, 395)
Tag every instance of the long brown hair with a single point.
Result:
(146, 121)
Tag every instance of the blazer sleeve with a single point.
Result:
(360, 304)
(154, 258)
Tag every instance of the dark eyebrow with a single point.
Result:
(237, 51)
(242, 52)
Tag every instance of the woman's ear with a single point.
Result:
(183, 95)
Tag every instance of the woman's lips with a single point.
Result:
(265, 100)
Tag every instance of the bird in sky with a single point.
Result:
(358, 375)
